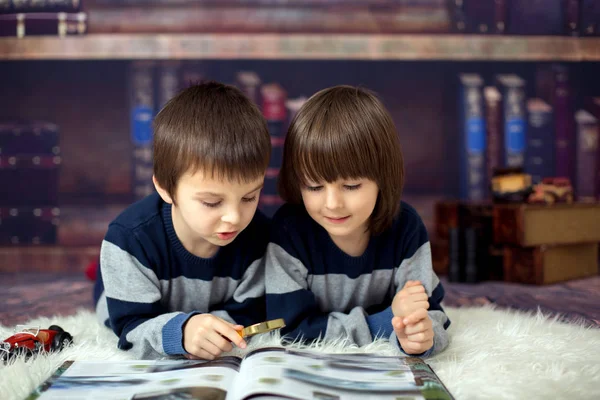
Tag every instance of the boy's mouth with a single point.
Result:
(226, 235)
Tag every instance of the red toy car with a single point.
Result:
(31, 340)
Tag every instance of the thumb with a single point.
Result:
(398, 325)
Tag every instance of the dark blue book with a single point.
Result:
(472, 140)
(512, 88)
(590, 17)
(540, 148)
(536, 17)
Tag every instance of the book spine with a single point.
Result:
(242, 19)
(471, 255)
(514, 115)
(29, 225)
(37, 24)
(38, 6)
(142, 113)
(590, 18)
(274, 110)
(169, 82)
(539, 150)
(480, 16)
(535, 17)
(572, 13)
(500, 16)
(494, 132)
(458, 16)
(454, 255)
(472, 176)
(249, 83)
(564, 125)
(588, 136)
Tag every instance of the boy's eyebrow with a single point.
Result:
(221, 194)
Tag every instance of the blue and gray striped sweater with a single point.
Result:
(321, 291)
(149, 285)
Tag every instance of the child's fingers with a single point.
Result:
(416, 328)
(226, 329)
(219, 341)
(421, 337)
(415, 317)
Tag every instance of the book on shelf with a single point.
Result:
(587, 156)
(540, 147)
(529, 225)
(246, 18)
(514, 115)
(38, 6)
(267, 372)
(472, 134)
(550, 264)
(43, 23)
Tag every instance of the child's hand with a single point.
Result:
(415, 332)
(206, 336)
(411, 298)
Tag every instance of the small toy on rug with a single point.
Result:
(28, 341)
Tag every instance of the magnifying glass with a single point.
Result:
(262, 327)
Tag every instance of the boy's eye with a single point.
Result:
(211, 205)
(352, 187)
(248, 199)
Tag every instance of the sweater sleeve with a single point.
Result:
(133, 299)
(417, 265)
(289, 297)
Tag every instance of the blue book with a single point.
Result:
(540, 147)
(514, 113)
(472, 140)
(142, 114)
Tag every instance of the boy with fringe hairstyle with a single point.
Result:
(348, 258)
(181, 270)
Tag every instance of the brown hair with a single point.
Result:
(345, 132)
(210, 127)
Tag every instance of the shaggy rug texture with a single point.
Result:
(493, 354)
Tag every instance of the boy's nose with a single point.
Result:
(232, 216)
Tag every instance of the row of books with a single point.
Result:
(20, 18)
(513, 17)
(546, 135)
(534, 244)
(153, 84)
(527, 17)
(30, 161)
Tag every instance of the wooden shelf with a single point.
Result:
(302, 46)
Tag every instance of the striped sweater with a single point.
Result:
(149, 285)
(321, 291)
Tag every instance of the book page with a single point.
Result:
(310, 375)
(142, 380)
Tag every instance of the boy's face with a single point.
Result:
(211, 211)
(342, 207)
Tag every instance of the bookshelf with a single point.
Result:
(302, 47)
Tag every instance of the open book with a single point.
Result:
(267, 372)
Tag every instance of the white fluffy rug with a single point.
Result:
(493, 354)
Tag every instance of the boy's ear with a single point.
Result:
(162, 192)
